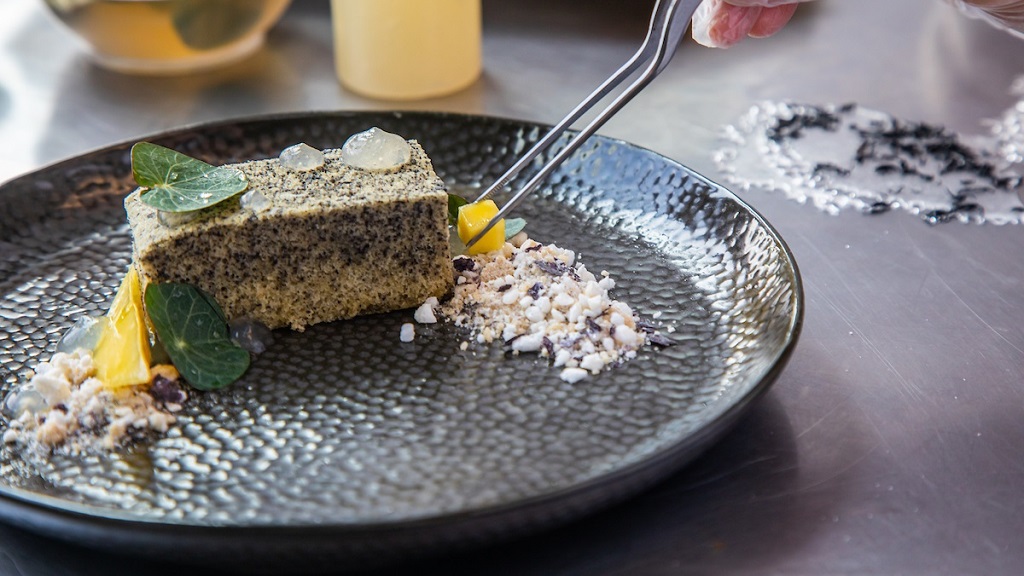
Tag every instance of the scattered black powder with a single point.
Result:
(889, 146)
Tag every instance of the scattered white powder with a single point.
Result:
(64, 407)
(1008, 131)
(840, 157)
(537, 298)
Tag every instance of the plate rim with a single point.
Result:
(47, 513)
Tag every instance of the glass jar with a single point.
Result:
(406, 49)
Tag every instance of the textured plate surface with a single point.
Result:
(341, 439)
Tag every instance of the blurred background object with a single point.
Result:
(169, 36)
(406, 49)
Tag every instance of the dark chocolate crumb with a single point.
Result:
(463, 264)
(553, 268)
(646, 326)
(504, 287)
(659, 339)
(549, 346)
(534, 291)
(167, 391)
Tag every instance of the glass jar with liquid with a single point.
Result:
(169, 36)
(406, 49)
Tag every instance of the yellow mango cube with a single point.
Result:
(122, 355)
(473, 218)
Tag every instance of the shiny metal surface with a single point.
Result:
(890, 444)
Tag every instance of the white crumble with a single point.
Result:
(425, 313)
(573, 375)
(407, 333)
(64, 407)
(537, 298)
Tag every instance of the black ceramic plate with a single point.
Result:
(342, 444)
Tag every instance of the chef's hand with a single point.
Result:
(722, 23)
(1004, 13)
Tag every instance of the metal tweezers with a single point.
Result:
(669, 22)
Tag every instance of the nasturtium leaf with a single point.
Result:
(454, 203)
(195, 335)
(175, 182)
(513, 226)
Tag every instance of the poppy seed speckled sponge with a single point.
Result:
(333, 242)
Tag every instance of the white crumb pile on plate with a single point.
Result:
(62, 406)
(536, 298)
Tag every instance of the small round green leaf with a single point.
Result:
(454, 203)
(513, 226)
(195, 335)
(178, 183)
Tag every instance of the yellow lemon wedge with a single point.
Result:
(473, 218)
(122, 354)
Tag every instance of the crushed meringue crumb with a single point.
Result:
(536, 298)
(63, 406)
(573, 375)
(407, 333)
(425, 313)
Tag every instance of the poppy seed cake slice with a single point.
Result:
(330, 243)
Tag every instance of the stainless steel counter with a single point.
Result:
(889, 445)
